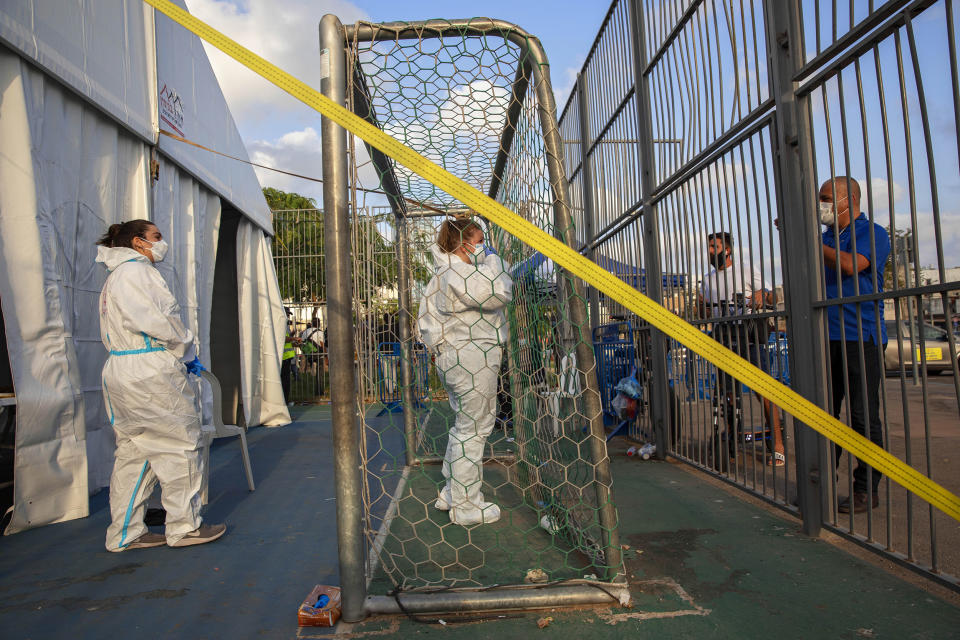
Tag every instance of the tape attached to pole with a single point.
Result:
(576, 264)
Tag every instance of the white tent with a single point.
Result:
(85, 89)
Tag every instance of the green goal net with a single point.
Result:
(483, 456)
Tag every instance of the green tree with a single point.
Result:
(298, 250)
(281, 200)
(297, 245)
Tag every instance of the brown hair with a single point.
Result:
(122, 234)
(453, 232)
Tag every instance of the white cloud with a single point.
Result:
(286, 36)
(296, 151)
(880, 193)
(480, 107)
(463, 136)
(563, 85)
(926, 235)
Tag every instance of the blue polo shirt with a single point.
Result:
(867, 310)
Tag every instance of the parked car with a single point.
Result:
(934, 341)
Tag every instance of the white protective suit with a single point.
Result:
(462, 322)
(150, 401)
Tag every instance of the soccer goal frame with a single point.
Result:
(353, 556)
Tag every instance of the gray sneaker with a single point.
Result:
(203, 535)
(145, 541)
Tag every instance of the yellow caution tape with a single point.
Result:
(603, 280)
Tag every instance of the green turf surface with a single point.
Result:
(702, 562)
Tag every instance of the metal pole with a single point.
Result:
(802, 256)
(661, 409)
(589, 189)
(346, 449)
(506, 599)
(407, 353)
(553, 149)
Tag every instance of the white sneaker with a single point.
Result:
(487, 513)
(444, 501)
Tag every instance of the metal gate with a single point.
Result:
(298, 259)
(697, 122)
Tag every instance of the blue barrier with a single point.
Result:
(389, 386)
(616, 356)
(778, 350)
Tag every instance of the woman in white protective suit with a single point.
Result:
(150, 401)
(462, 322)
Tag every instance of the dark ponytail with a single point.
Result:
(122, 234)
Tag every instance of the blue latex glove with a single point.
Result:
(529, 266)
(195, 367)
(488, 250)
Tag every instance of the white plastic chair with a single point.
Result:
(221, 430)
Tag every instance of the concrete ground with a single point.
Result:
(901, 523)
(703, 561)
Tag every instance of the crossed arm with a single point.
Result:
(850, 263)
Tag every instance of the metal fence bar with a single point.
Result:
(661, 407)
(340, 332)
(589, 189)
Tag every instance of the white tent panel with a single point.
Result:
(193, 107)
(263, 326)
(66, 173)
(79, 107)
(103, 49)
(188, 216)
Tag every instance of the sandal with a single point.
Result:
(778, 460)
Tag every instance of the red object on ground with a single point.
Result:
(326, 616)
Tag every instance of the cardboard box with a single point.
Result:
(310, 615)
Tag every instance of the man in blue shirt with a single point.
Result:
(854, 253)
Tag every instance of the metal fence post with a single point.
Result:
(346, 450)
(661, 408)
(802, 255)
(589, 189)
(407, 352)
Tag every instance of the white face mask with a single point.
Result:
(477, 252)
(159, 250)
(828, 214)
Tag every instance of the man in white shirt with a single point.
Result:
(732, 293)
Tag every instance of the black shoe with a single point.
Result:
(859, 503)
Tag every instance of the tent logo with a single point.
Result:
(171, 109)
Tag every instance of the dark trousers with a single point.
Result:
(319, 361)
(864, 402)
(285, 371)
